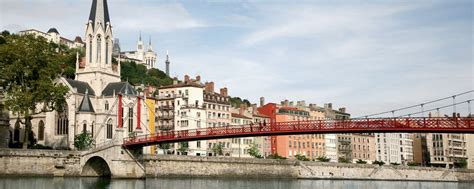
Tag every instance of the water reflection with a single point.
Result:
(188, 183)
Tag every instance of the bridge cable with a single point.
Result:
(437, 109)
(413, 106)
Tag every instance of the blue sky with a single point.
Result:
(367, 56)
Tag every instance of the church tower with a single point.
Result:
(140, 48)
(97, 68)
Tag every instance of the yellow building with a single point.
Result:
(150, 103)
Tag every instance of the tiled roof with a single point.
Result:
(123, 88)
(86, 105)
(239, 116)
(81, 86)
(188, 84)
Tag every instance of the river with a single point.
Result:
(195, 183)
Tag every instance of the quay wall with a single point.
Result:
(17, 162)
(189, 166)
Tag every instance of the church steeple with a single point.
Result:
(98, 70)
(150, 48)
(99, 13)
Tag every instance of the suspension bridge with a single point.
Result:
(364, 124)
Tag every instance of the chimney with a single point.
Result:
(186, 78)
(254, 108)
(224, 91)
(328, 106)
(209, 87)
(285, 103)
(262, 101)
(242, 109)
(343, 110)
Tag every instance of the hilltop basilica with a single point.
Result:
(97, 98)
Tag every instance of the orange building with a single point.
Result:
(311, 146)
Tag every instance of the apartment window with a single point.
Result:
(198, 144)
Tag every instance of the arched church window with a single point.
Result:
(92, 129)
(84, 127)
(99, 47)
(109, 129)
(106, 105)
(90, 48)
(41, 130)
(130, 119)
(16, 132)
(62, 121)
(106, 50)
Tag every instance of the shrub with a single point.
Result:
(83, 141)
(323, 159)
(380, 163)
(359, 161)
(301, 157)
(275, 156)
(343, 160)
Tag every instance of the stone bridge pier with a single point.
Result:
(112, 161)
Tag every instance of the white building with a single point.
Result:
(394, 147)
(331, 146)
(92, 104)
(147, 58)
(53, 36)
(183, 104)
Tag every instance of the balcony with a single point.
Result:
(192, 106)
(171, 96)
(166, 107)
(166, 117)
(165, 127)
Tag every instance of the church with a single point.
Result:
(140, 56)
(98, 102)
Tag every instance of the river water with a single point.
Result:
(188, 183)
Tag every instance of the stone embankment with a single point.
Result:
(188, 166)
(71, 163)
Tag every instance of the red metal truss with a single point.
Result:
(370, 125)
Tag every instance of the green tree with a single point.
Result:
(29, 69)
(254, 152)
(183, 148)
(343, 160)
(461, 163)
(83, 141)
(165, 147)
(218, 149)
(323, 159)
(301, 157)
(360, 161)
(275, 156)
(380, 163)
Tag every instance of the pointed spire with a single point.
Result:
(99, 12)
(86, 104)
(140, 36)
(150, 48)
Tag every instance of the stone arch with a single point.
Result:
(96, 167)
(41, 130)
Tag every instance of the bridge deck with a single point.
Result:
(371, 125)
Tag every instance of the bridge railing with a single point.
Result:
(357, 125)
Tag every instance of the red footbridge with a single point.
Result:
(362, 125)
